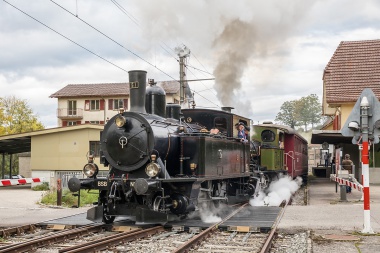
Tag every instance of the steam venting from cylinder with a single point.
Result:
(137, 86)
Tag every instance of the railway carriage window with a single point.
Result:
(95, 147)
(267, 136)
(221, 124)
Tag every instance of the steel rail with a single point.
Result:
(267, 245)
(49, 239)
(6, 232)
(204, 234)
(110, 241)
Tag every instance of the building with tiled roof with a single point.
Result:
(107, 89)
(95, 103)
(355, 65)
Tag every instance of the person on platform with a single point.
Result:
(326, 157)
(333, 165)
(347, 164)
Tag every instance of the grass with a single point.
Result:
(69, 200)
(41, 187)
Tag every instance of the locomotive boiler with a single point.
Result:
(164, 162)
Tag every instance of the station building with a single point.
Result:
(353, 67)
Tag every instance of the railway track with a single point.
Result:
(153, 239)
(50, 239)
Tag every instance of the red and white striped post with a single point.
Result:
(364, 106)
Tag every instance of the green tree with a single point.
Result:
(302, 112)
(287, 114)
(16, 116)
(308, 111)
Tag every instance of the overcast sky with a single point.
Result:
(262, 53)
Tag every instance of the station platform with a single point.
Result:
(325, 210)
(334, 225)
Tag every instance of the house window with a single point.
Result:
(71, 123)
(118, 103)
(96, 122)
(71, 107)
(94, 105)
(95, 148)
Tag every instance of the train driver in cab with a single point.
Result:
(241, 132)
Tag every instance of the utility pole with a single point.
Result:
(183, 53)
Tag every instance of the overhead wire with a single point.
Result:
(131, 17)
(202, 65)
(88, 50)
(135, 21)
(204, 71)
(112, 39)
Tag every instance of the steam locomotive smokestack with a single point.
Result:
(137, 85)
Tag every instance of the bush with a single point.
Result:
(41, 187)
(69, 200)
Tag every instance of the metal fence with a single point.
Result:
(66, 175)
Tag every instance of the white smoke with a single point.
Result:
(208, 213)
(277, 192)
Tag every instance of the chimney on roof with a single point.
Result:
(137, 86)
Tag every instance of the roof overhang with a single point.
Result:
(329, 136)
(16, 145)
(20, 143)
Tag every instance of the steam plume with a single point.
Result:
(278, 191)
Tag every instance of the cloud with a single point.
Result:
(262, 53)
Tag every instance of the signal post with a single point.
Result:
(364, 106)
(363, 125)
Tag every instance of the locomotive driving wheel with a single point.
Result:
(103, 201)
(108, 219)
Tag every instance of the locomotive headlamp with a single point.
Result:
(152, 169)
(90, 170)
(120, 121)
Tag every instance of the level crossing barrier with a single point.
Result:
(20, 181)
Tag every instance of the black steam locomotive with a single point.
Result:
(165, 162)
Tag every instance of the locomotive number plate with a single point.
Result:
(102, 183)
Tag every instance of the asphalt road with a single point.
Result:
(19, 206)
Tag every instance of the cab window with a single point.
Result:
(267, 136)
(221, 124)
